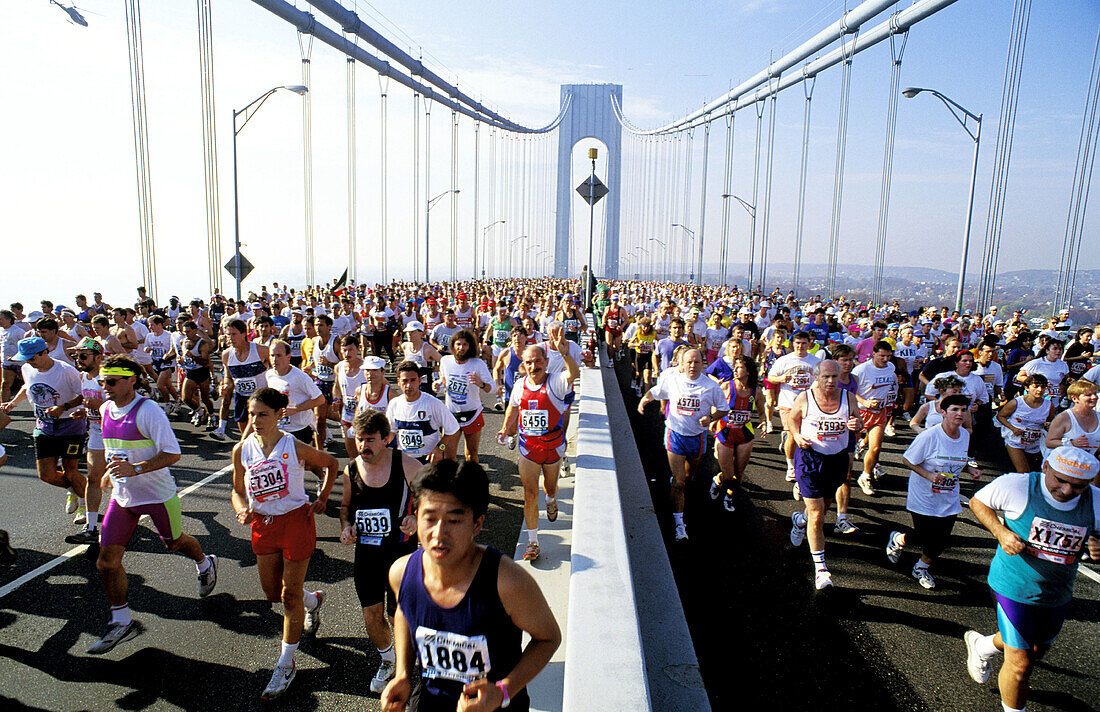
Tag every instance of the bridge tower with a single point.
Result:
(590, 115)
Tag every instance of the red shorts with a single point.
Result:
(471, 426)
(541, 455)
(874, 418)
(294, 534)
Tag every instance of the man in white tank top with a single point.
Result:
(822, 419)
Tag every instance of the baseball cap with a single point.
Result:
(29, 348)
(89, 344)
(34, 316)
(1067, 459)
(461, 295)
(414, 326)
(430, 300)
(374, 363)
(614, 297)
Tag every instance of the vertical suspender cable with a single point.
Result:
(416, 187)
(454, 198)
(674, 200)
(427, 187)
(306, 47)
(685, 220)
(808, 91)
(768, 187)
(759, 106)
(702, 206)
(727, 189)
(1003, 152)
(838, 168)
(1079, 194)
(896, 52)
(383, 168)
(141, 146)
(352, 258)
(487, 253)
(477, 194)
(210, 144)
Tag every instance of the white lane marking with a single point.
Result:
(1089, 572)
(50, 565)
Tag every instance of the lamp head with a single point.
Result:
(297, 89)
(910, 92)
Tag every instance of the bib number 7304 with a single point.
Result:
(452, 656)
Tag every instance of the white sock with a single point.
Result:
(204, 565)
(309, 599)
(551, 500)
(819, 561)
(921, 565)
(121, 614)
(678, 518)
(93, 520)
(388, 654)
(286, 653)
(984, 646)
(841, 516)
(533, 536)
(790, 463)
(223, 424)
(1012, 709)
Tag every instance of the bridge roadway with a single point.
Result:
(197, 654)
(877, 641)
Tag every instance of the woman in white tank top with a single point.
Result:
(1023, 423)
(1078, 426)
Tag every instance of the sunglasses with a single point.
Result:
(110, 381)
(85, 357)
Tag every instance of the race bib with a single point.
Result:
(118, 456)
(801, 380)
(945, 482)
(158, 351)
(245, 387)
(451, 656)
(687, 405)
(1055, 541)
(324, 370)
(267, 481)
(500, 336)
(830, 429)
(457, 388)
(410, 439)
(1031, 436)
(739, 417)
(373, 525)
(534, 422)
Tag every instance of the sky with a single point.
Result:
(68, 195)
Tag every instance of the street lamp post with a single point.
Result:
(484, 247)
(511, 254)
(691, 234)
(664, 262)
(639, 257)
(427, 225)
(751, 210)
(956, 109)
(248, 111)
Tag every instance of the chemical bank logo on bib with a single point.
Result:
(1055, 541)
(687, 405)
(452, 656)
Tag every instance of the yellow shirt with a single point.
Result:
(307, 352)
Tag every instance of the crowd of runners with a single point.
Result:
(284, 372)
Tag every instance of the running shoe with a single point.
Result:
(864, 482)
(280, 680)
(81, 516)
(72, 502)
(313, 617)
(907, 416)
(976, 665)
(790, 472)
(727, 501)
(7, 554)
(860, 449)
(878, 472)
(715, 489)
(87, 536)
(894, 547)
(823, 579)
(498, 407)
(208, 579)
(531, 553)
(681, 532)
(798, 533)
(552, 511)
(843, 526)
(924, 578)
(116, 633)
(382, 676)
(888, 431)
(197, 417)
(797, 493)
(565, 465)
(218, 433)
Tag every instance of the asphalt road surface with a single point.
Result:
(196, 654)
(877, 640)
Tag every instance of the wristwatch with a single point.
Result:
(137, 469)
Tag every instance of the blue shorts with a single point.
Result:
(1024, 626)
(819, 475)
(689, 446)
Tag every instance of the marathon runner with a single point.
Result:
(420, 352)
(303, 395)
(294, 334)
(1042, 521)
(269, 495)
(1079, 425)
(507, 365)
(377, 515)
(462, 378)
(375, 393)
(350, 377)
(1024, 421)
(245, 363)
(876, 386)
(734, 434)
(195, 361)
(140, 446)
(794, 372)
(324, 360)
(468, 655)
(89, 354)
(422, 422)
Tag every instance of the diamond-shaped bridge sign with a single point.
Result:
(592, 190)
(243, 266)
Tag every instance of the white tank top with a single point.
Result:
(348, 385)
(1031, 421)
(379, 405)
(274, 484)
(827, 431)
(934, 416)
(1075, 431)
(324, 359)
